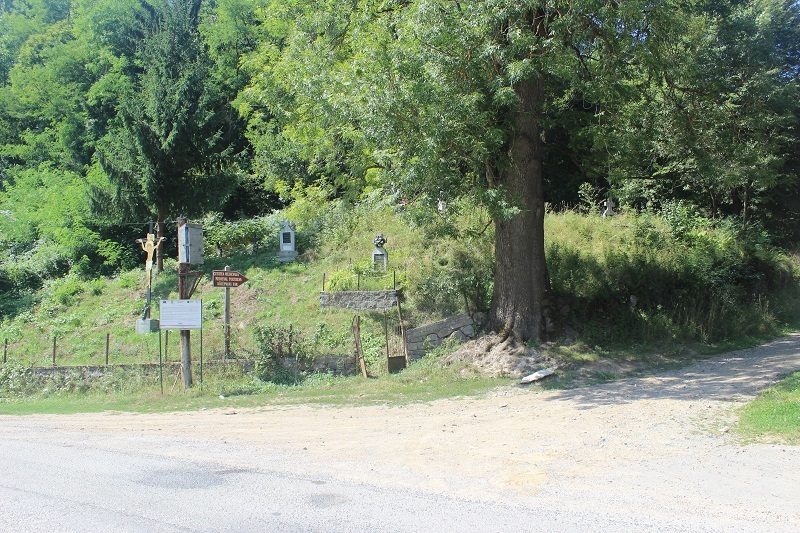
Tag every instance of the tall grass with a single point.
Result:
(647, 278)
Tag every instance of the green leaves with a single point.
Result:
(171, 141)
(718, 112)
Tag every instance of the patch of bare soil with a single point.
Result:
(498, 356)
(495, 355)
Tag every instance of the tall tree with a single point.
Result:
(170, 146)
(716, 119)
(452, 98)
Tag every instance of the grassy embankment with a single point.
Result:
(643, 291)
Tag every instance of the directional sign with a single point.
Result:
(227, 278)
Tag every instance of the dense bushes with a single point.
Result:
(459, 280)
(681, 275)
(278, 345)
(222, 237)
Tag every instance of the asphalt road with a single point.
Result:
(75, 484)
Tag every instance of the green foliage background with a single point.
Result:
(354, 119)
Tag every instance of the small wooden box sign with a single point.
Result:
(190, 244)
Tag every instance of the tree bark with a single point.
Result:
(520, 280)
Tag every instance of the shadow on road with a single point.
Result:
(730, 377)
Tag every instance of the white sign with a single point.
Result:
(181, 314)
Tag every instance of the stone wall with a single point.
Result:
(460, 328)
(359, 300)
(90, 372)
(337, 364)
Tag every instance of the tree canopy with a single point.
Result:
(144, 110)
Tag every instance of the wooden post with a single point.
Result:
(403, 332)
(323, 282)
(184, 292)
(186, 349)
(290, 355)
(201, 357)
(386, 334)
(5, 352)
(227, 319)
(357, 340)
(160, 364)
(108, 342)
(54, 350)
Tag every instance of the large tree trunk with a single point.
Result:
(520, 279)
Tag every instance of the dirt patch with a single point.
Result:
(498, 356)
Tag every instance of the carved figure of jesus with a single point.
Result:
(149, 245)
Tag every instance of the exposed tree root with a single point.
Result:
(498, 356)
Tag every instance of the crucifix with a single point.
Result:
(149, 245)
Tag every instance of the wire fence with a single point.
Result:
(106, 349)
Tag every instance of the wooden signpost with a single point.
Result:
(227, 278)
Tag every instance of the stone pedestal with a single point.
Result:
(146, 325)
(286, 256)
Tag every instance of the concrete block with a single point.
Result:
(147, 325)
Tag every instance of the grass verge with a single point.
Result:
(425, 380)
(775, 415)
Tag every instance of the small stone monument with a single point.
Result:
(608, 208)
(380, 259)
(286, 250)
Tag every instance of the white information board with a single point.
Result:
(181, 314)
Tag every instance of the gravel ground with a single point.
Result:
(651, 453)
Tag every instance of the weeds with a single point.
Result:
(650, 279)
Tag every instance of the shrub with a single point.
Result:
(363, 275)
(680, 275)
(223, 237)
(17, 381)
(65, 291)
(461, 280)
(277, 347)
